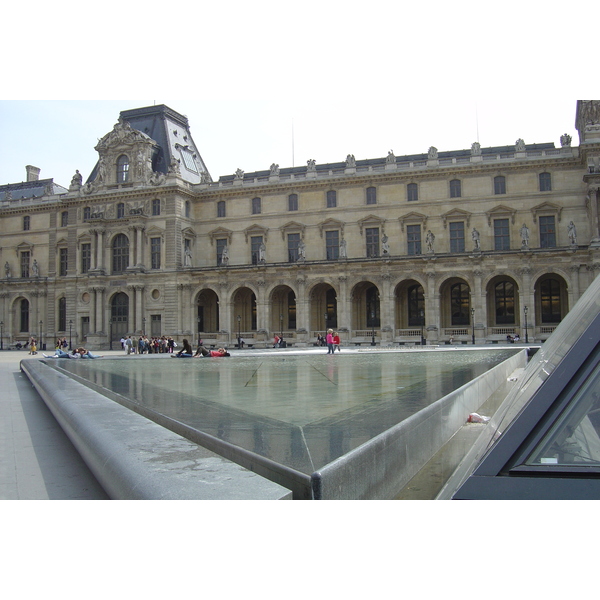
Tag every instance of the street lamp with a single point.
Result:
(1, 335)
(422, 324)
(281, 326)
(239, 320)
(473, 323)
(41, 336)
(526, 310)
(143, 326)
(70, 326)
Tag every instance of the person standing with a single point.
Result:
(329, 340)
(336, 342)
(128, 344)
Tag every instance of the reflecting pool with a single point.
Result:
(299, 410)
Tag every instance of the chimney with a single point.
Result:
(33, 173)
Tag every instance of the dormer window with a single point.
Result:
(122, 169)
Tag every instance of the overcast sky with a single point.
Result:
(265, 83)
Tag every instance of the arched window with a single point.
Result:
(372, 305)
(120, 253)
(550, 300)
(122, 169)
(24, 314)
(416, 306)
(459, 304)
(504, 296)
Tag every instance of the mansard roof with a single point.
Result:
(31, 189)
(171, 131)
(378, 162)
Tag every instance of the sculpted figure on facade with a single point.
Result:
(350, 161)
(476, 239)
(7, 273)
(157, 178)
(205, 177)
(76, 180)
(524, 236)
(565, 140)
(225, 256)
(311, 165)
(572, 233)
(385, 245)
(343, 253)
(239, 175)
(174, 167)
(432, 153)
(390, 159)
(274, 171)
(429, 240)
(187, 257)
(301, 251)
(262, 253)
(475, 149)
(520, 145)
(35, 269)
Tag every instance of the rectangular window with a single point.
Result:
(120, 210)
(547, 232)
(455, 188)
(256, 206)
(156, 207)
(332, 244)
(64, 218)
(501, 234)
(331, 199)
(86, 257)
(413, 237)
(293, 242)
(412, 192)
(155, 253)
(372, 239)
(293, 202)
(255, 244)
(371, 195)
(221, 210)
(85, 326)
(64, 262)
(155, 325)
(26, 223)
(221, 245)
(500, 185)
(457, 237)
(545, 182)
(25, 258)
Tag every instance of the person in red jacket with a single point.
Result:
(336, 342)
(216, 353)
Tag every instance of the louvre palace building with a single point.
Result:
(453, 246)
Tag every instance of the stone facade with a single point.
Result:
(454, 246)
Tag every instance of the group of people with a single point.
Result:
(187, 352)
(332, 339)
(145, 345)
(512, 339)
(278, 342)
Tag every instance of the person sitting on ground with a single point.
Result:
(216, 353)
(86, 353)
(185, 352)
(510, 339)
(58, 353)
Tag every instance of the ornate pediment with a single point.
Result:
(413, 218)
(546, 208)
(501, 211)
(219, 233)
(370, 221)
(293, 227)
(255, 230)
(122, 134)
(456, 215)
(331, 224)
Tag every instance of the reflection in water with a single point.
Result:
(302, 411)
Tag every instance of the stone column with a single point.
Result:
(263, 311)
(100, 249)
(432, 309)
(94, 249)
(479, 305)
(386, 319)
(139, 306)
(98, 306)
(574, 292)
(343, 318)
(527, 299)
(593, 193)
